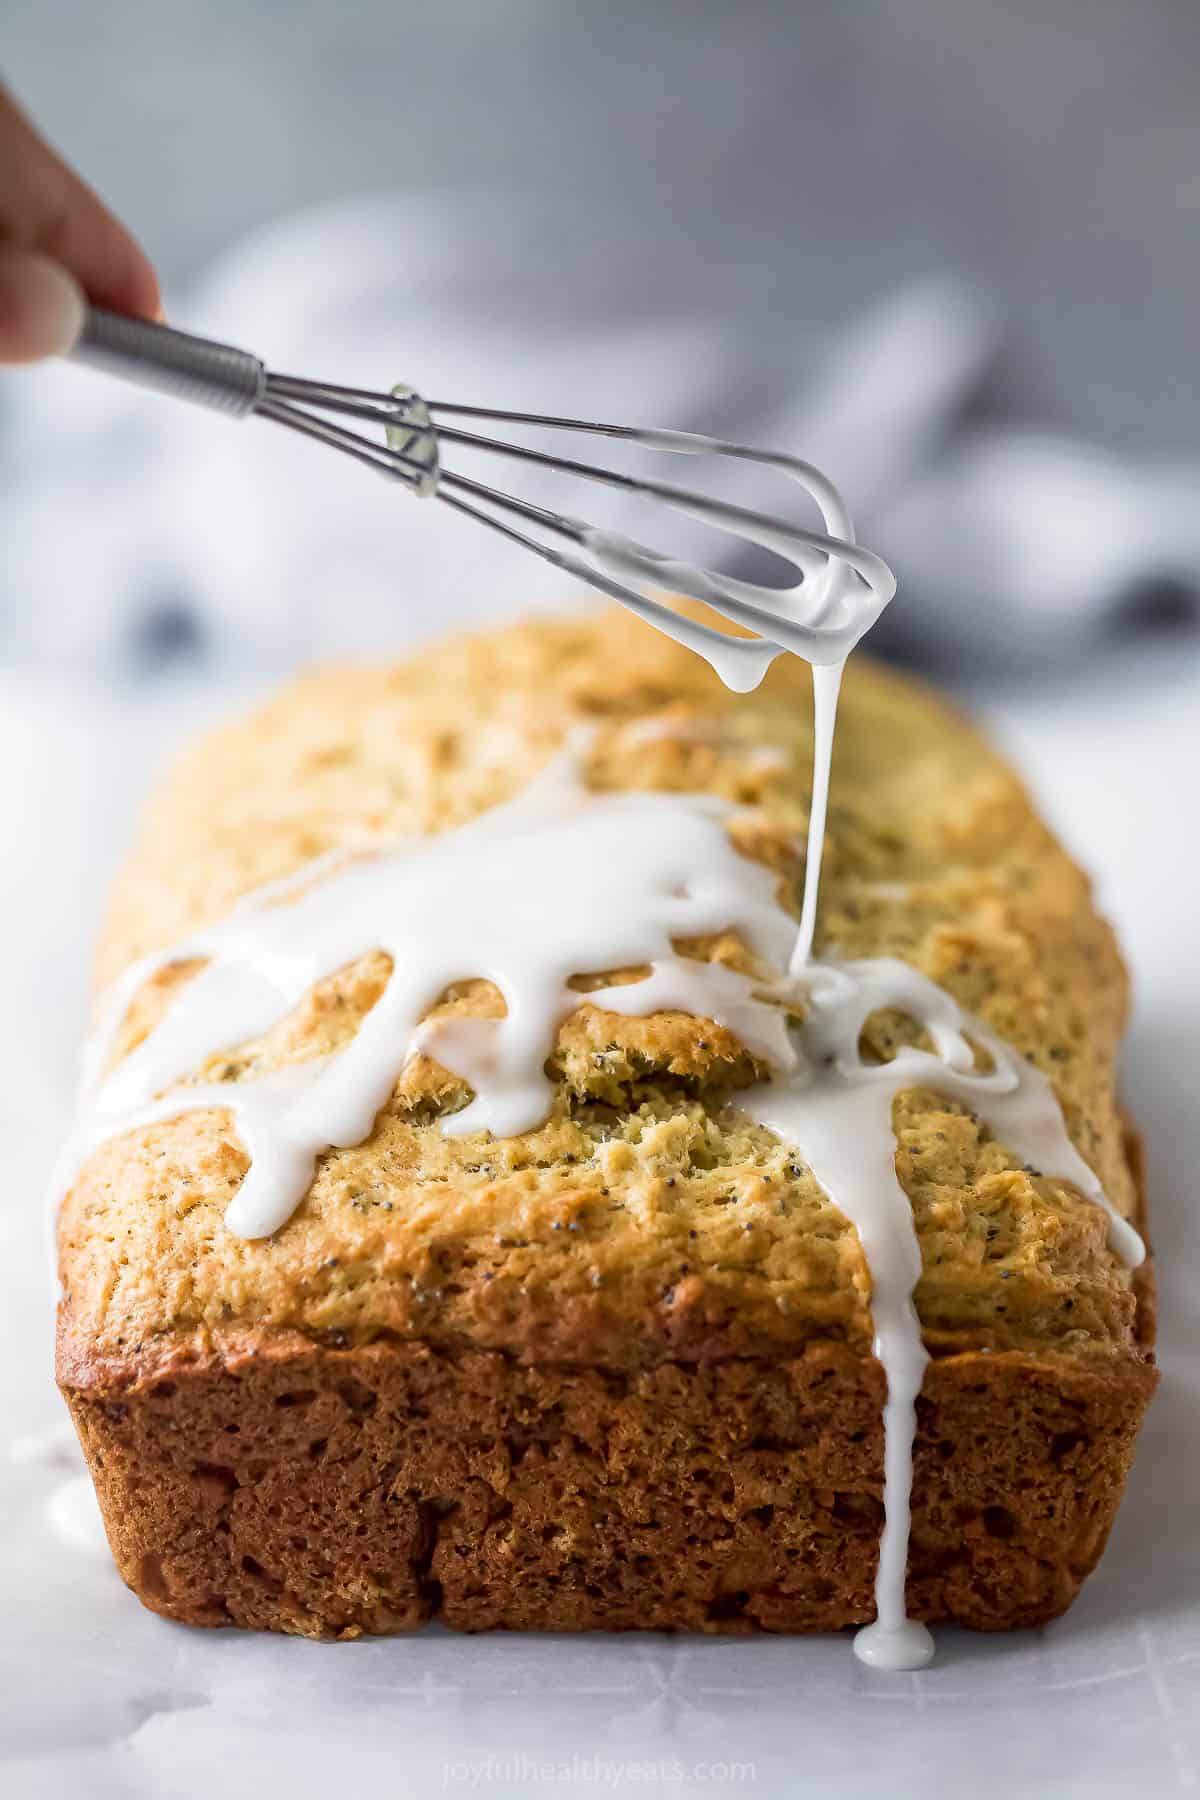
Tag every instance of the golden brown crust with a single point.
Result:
(645, 1217)
(647, 1234)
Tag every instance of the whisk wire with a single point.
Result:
(604, 556)
(706, 507)
(366, 450)
(839, 590)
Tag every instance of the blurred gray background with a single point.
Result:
(820, 154)
(949, 250)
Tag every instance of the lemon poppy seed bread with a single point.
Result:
(617, 1371)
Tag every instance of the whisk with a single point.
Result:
(840, 589)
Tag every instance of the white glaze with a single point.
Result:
(643, 870)
(827, 685)
(840, 590)
(839, 593)
(837, 1110)
(640, 870)
(838, 599)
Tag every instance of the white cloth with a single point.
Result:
(129, 518)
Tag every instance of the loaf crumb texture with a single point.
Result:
(330, 1493)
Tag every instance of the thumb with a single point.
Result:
(41, 307)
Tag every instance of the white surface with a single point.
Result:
(102, 1699)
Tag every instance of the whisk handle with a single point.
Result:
(172, 362)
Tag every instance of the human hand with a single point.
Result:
(60, 247)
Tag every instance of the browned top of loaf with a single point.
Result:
(647, 1217)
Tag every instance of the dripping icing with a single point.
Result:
(480, 902)
(841, 592)
(648, 868)
(836, 1109)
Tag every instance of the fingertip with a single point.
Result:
(41, 307)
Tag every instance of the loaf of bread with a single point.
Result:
(616, 1372)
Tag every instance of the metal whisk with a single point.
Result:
(840, 591)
